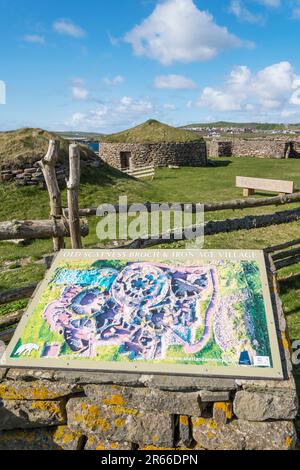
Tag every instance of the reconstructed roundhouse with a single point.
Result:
(153, 143)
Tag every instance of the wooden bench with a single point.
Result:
(142, 172)
(250, 185)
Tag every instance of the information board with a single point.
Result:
(189, 312)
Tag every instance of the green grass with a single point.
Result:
(249, 125)
(182, 185)
(30, 145)
(152, 132)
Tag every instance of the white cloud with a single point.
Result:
(169, 106)
(296, 13)
(218, 100)
(79, 90)
(177, 31)
(241, 12)
(34, 38)
(270, 3)
(114, 81)
(114, 115)
(80, 93)
(68, 28)
(174, 82)
(273, 89)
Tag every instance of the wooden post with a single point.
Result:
(73, 188)
(47, 165)
(248, 192)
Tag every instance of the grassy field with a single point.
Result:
(20, 265)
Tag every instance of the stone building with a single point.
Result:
(260, 147)
(153, 143)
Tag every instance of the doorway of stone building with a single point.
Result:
(125, 160)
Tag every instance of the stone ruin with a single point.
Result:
(116, 411)
(260, 147)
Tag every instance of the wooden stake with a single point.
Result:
(47, 165)
(73, 189)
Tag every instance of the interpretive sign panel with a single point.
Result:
(190, 312)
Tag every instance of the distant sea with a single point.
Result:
(94, 146)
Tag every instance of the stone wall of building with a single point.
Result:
(159, 155)
(103, 411)
(30, 174)
(261, 148)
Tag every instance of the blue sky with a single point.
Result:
(106, 65)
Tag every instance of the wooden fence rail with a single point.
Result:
(17, 294)
(214, 227)
(34, 229)
(11, 319)
(209, 207)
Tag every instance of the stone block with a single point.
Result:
(31, 414)
(37, 390)
(146, 399)
(206, 396)
(222, 412)
(179, 383)
(96, 377)
(96, 443)
(3, 373)
(67, 439)
(244, 435)
(30, 374)
(253, 406)
(119, 424)
(185, 433)
(267, 385)
(61, 438)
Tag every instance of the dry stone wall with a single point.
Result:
(159, 155)
(30, 174)
(104, 411)
(110, 411)
(261, 148)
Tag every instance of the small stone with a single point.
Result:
(96, 443)
(31, 414)
(67, 439)
(185, 434)
(253, 406)
(37, 390)
(222, 412)
(146, 399)
(207, 396)
(119, 424)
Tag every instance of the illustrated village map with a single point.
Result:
(205, 312)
